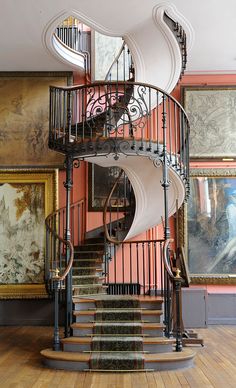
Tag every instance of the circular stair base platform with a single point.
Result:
(80, 361)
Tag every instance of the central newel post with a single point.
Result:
(165, 184)
(68, 184)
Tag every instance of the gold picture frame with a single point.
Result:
(27, 197)
(24, 119)
(206, 226)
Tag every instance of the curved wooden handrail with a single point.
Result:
(115, 60)
(166, 264)
(69, 244)
(51, 215)
(107, 235)
(183, 266)
(62, 240)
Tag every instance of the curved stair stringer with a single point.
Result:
(146, 179)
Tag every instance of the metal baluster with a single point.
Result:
(144, 278)
(149, 268)
(137, 260)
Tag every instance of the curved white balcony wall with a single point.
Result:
(146, 179)
(67, 54)
(154, 48)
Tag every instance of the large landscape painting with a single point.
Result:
(211, 223)
(26, 198)
(22, 215)
(24, 119)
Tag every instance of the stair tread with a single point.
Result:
(116, 311)
(145, 340)
(143, 299)
(145, 325)
(185, 354)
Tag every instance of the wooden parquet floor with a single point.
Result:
(21, 367)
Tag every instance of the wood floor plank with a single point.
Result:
(21, 365)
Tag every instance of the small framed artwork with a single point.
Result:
(100, 183)
(26, 198)
(212, 116)
(207, 226)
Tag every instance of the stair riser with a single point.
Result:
(81, 366)
(91, 305)
(169, 365)
(82, 332)
(87, 262)
(88, 255)
(90, 247)
(84, 306)
(90, 318)
(81, 281)
(77, 347)
(158, 348)
(150, 348)
(99, 289)
(152, 318)
(151, 305)
(87, 271)
(67, 365)
(86, 332)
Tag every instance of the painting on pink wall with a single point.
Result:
(24, 118)
(210, 227)
(26, 198)
(212, 116)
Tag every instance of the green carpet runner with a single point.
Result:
(117, 341)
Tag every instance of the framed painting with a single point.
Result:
(100, 183)
(207, 226)
(24, 118)
(212, 116)
(26, 198)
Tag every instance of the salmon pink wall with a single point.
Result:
(208, 80)
(78, 191)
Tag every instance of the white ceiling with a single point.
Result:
(23, 24)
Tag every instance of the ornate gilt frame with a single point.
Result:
(202, 278)
(48, 177)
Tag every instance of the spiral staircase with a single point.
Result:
(122, 295)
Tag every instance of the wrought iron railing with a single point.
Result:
(130, 118)
(122, 67)
(146, 267)
(63, 232)
(172, 295)
(180, 35)
(136, 262)
(55, 236)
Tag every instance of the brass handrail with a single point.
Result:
(165, 261)
(62, 240)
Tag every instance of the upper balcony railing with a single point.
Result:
(130, 118)
(75, 36)
(180, 37)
